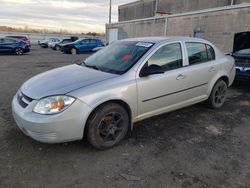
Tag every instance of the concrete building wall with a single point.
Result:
(153, 27)
(180, 6)
(218, 27)
(137, 10)
(148, 8)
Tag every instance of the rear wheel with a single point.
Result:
(107, 126)
(19, 51)
(218, 95)
(73, 51)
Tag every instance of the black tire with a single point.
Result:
(107, 126)
(218, 95)
(18, 51)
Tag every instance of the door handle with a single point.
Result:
(212, 69)
(180, 77)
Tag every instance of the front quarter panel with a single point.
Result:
(121, 88)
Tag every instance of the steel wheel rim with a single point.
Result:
(220, 94)
(111, 127)
(19, 51)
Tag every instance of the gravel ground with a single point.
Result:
(192, 147)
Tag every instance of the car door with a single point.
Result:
(93, 44)
(160, 92)
(8, 45)
(201, 68)
(1, 45)
(82, 46)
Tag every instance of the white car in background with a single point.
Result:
(45, 43)
(125, 82)
(52, 44)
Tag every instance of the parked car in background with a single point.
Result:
(128, 81)
(22, 38)
(52, 44)
(40, 41)
(82, 45)
(58, 45)
(13, 46)
(45, 43)
(241, 54)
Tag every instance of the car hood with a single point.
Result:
(62, 81)
(241, 41)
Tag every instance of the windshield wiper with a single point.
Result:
(91, 66)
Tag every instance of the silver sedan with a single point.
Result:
(128, 81)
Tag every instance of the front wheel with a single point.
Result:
(218, 95)
(57, 48)
(107, 126)
(19, 51)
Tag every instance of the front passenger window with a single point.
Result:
(169, 57)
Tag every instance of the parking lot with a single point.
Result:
(192, 147)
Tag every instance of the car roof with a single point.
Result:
(16, 36)
(11, 38)
(165, 39)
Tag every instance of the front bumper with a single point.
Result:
(65, 126)
(242, 72)
(65, 50)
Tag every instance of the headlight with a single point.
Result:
(53, 104)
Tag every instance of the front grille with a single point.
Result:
(24, 100)
(242, 62)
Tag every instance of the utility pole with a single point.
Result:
(110, 9)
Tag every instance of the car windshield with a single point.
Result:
(118, 57)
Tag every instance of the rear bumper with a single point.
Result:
(26, 50)
(65, 126)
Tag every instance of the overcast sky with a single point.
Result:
(73, 15)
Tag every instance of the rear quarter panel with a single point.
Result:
(226, 69)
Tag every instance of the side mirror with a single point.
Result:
(152, 69)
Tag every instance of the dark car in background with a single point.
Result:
(22, 38)
(241, 54)
(82, 45)
(13, 46)
(64, 41)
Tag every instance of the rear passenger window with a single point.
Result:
(210, 53)
(93, 41)
(199, 53)
(169, 57)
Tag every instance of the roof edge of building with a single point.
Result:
(229, 7)
(133, 3)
